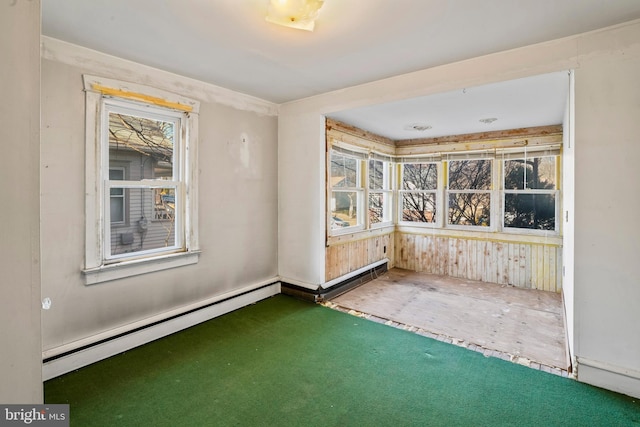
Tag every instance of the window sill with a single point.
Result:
(125, 269)
(359, 235)
(483, 234)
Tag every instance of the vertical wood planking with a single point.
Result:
(341, 259)
(527, 265)
(488, 266)
(522, 265)
(546, 254)
(528, 281)
(535, 267)
(499, 262)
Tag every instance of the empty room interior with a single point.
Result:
(464, 172)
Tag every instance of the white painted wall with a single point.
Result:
(237, 203)
(607, 292)
(20, 362)
(301, 179)
(607, 235)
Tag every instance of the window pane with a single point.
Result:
(117, 206)
(152, 224)
(164, 203)
(116, 201)
(533, 211)
(379, 207)
(470, 209)
(116, 174)
(536, 173)
(470, 174)
(419, 176)
(419, 207)
(344, 171)
(376, 175)
(345, 209)
(147, 145)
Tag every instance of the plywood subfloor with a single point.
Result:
(522, 323)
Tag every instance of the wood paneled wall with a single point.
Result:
(343, 258)
(525, 265)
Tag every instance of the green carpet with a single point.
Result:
(285, 362)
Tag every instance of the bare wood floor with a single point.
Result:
(519, 324)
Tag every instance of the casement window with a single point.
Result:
(142, 217)
(347, 192)
(530, 192)
(418, 193)
(380, 192)
(469, 192)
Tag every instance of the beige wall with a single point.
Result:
(237, 203)
(20, 357)
(606, 131)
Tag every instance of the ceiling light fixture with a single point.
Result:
(488, 121)
(300, 14)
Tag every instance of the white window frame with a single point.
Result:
(437, 192)
(386, 191)
(176, 183)
(555, 192)
(99, 93)
(359, 189)
(493, 195)
(442, 160)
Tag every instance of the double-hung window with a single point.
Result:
(141, 181)
(469, 188)
(347, 191)
(380, 192)
(418, 192)
(530, 192)
(150, 140)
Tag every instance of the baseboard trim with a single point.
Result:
(68, 361)
(612, 377)
(337, 286)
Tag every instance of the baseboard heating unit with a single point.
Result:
(337, 286)
(67, 358)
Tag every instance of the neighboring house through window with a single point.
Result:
(146, 210)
